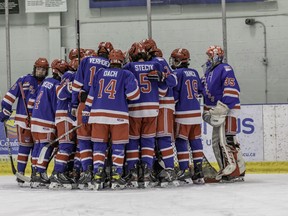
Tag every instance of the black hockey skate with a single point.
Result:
(168, 177)
(198, 176)
(19, 181)
(39, 180)
(132, 177)
(147, 178)
(60, 180)
(99, 179)
(117, 182)
(184, 176)
(85, 180)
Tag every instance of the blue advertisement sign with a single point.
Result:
(129, 3)
(12, 135)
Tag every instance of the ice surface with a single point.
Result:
(259, 195)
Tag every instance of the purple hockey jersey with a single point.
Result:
(64, 95)
(107, 99)
(84, 76)
(168, 100)
(30, 85)
(148, 103)
(221, 84)
(187, 110)
(43, 114)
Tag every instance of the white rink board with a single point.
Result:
(262, 133)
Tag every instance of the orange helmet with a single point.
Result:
(178, 57)
(156, 52)
(59, 66)
(104, 48)
(137, 51)
(90, 52)
(74, 53)
(41, 73)
(116, 56)
(41, 62)
(148, 44)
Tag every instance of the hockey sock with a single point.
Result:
(118, 151)
(182, 153)
(99, 153)
(165, 146)
(22, 158)
(132, 153)
(85, 147)
(147, 151)
(197, 151)
(62, 157)
(35, 153)
(42, 167)
(77, 161)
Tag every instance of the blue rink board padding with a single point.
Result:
(12, 137)
(128, 3)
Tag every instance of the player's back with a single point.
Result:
(87, 69)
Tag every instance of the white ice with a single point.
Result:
(259, 195)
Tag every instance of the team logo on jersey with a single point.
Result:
(227, 68)
(120, 120)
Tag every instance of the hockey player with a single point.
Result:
(28, 85)
(108, 109)
(165, 120)
(187, 116)
(80, 89)
(74, 53)
(43, 121)
(222, 106)
(64, 122)
(143, 115)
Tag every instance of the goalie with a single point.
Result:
(221, 108)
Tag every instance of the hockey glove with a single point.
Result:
(5, 115)
(83, 96)
(85, 116)
(156, 75)
(72, 108)
(217, 115)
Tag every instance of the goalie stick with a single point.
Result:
(45, 148)
(14, 171)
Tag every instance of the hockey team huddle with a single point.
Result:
(116, 120)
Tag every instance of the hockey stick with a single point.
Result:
(14, 171)
(24, 99)
(45, 148)
(9, 149)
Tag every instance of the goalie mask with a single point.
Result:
(59, 67)
(179, 58)
(40, 69)
(215, 56)
(74, 53)
(137, 51)
(104, 48)
(116, 56)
